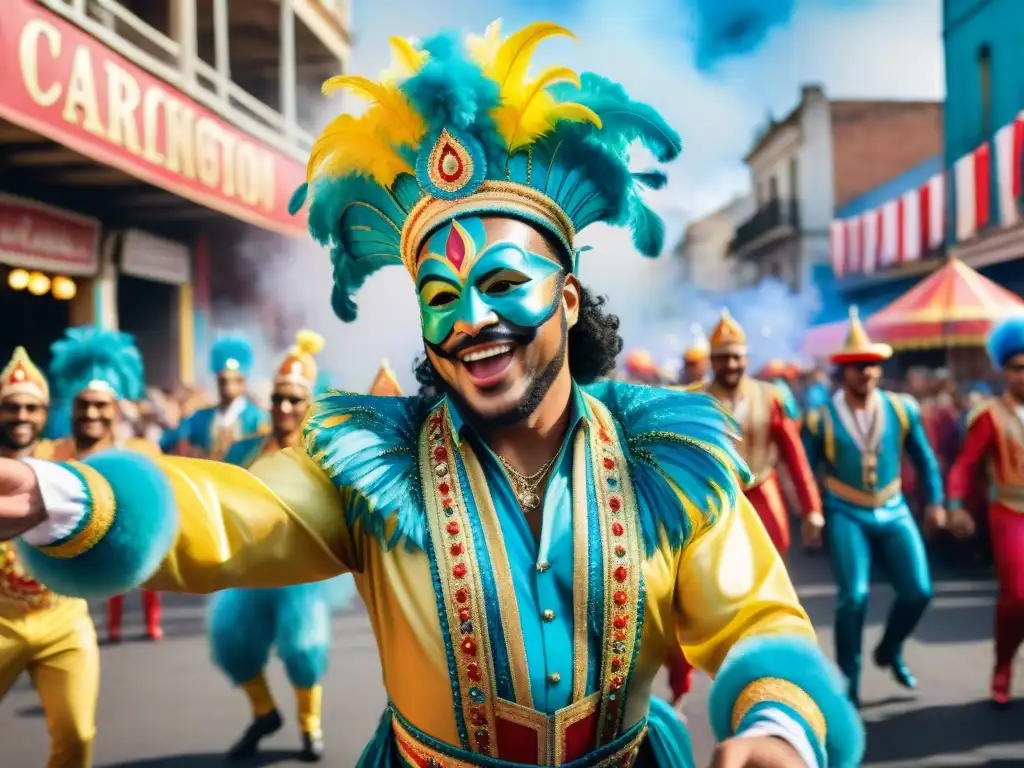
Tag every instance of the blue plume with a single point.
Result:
(89, 354)
(1006, 340)
(230, 348)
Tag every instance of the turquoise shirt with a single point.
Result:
(830, 444)
(197, 429)
(542, 572)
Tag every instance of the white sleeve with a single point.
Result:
(65, 499)
(776, 723)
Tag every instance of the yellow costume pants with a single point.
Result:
(58, 648)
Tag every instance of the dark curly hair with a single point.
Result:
(594, 343)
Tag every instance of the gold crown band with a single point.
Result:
(495, 197)
(30, 388)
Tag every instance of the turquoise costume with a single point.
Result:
(497, 650)
(199, 430)
(867, 515)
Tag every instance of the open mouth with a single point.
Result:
(487, 364)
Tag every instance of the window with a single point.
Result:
(794, 179)
(985, 89)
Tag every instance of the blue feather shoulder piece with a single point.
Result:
(675, 442)
(368, 444)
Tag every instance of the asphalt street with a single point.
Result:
(164, 705)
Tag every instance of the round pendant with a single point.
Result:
(530, 500)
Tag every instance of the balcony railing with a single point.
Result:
(772, 220)
(178, 65)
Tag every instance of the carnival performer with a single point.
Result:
(50, 636)
(529, 546)
(94, 370)
(209, 432)
(696, 358)
(991, 455)
(860, 437)
(768, 434)
(246, 624)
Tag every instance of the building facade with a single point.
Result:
(822, 155)
(142, 139)
(703, 251)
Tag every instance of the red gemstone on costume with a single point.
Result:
(447, 501)
(473, 672)
(452, 527)
(464, 614)
(620, 550)
(621, 598)
(459, 571)
(604, 436)
(439, 453)
(615, 503)
(478, 716)
(616, 664)
(616, 683)
(609, 463)
(483, 740)
(461, 595)
(619, 634)
(621, 573)
(454, 171)
(619, 622)
(469, 646)
(456, 549)
(444, 489)
(617, 528)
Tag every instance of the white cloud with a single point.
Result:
(890, 49)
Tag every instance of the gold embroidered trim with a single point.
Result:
(492, 195)
(774, 689)
(580, 565)
(529, 718)
(99, 516)
(508, 604)
(568, 717)
(861, 498)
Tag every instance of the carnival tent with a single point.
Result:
(954, 307)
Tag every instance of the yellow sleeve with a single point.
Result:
(732, 585)
(280, 523)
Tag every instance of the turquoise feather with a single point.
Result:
(674, 440)
(88, 353)
(231, 348)
(373, 453)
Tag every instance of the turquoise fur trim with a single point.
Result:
(583, 169)
(668, 736)
(759, 714)
(231, 348)
(1005, 341)
(143, 532)
(369, 445)
(88, 354)
(674, 440)
(240, 625)
(801, 662)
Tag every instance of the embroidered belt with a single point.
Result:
(867, 499)
(418, 750)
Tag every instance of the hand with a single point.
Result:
(935, 519)
(756, 752)
(961, 524)
(21, 503)
(812, 527)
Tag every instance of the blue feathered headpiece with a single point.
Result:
(231, 353)
(1006, 340)
(465, 130)
(89, 354)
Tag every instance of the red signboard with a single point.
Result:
(37, 236)
(65, 85)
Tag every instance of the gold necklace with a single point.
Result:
(525, 487)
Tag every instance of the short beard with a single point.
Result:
(8, 442)
(538, 390)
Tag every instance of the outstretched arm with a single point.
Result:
(979, 440)
(921, 453)
(787, 438)
(119, 520)
(741, 622)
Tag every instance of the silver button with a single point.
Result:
(547, 614)
(554, 678)
(542, 566)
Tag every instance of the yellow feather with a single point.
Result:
(512, 59)
(406, 55)
(309, 342)
(400, 123)
(483, 49)
(353, 145)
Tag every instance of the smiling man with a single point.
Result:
(531, 541)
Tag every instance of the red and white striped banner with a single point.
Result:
(1009, 145)
(897, 232)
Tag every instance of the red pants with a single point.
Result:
(680, 674)
(150, 608)
(1006, 528)
(767, 501)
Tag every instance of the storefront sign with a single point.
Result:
(61, 83)
(153, 258)
(36, 236)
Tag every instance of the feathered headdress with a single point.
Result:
(1006, 340)
(465, 130)
(299, 366)
(231, 353)
(88, 357)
